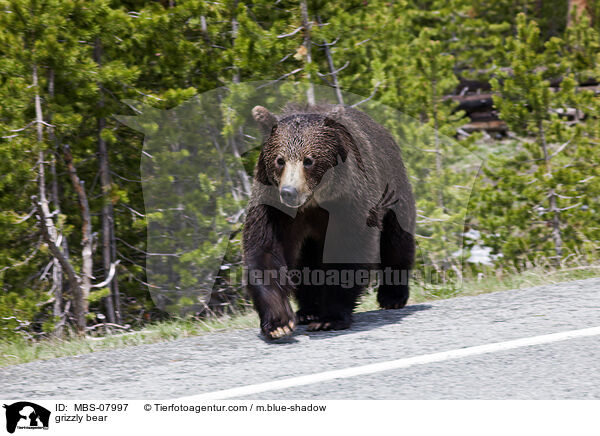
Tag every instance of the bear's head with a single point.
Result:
(298, 150)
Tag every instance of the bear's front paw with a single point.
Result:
(277, 329)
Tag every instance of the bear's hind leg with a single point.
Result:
(397, 254)
(336, 307)
(306, 296)
(340, 321)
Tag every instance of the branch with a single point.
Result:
(293, 32)
(432, 220)
(56, 252)
(46, 269)
(23, 262)
(125, 178)
(369, 97)
(133, 210)
(111, 274)
(297, 70)
(110, 324)
(335, 71)
(561, 148)
(569, 207)
(147, 253)
(23, 128)
(285, 57)
(86, 226)
(26, 217)
(327, 44)
(567, 197)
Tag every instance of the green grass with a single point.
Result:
(490, 283)
(22, 351)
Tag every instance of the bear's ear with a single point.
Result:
(265, 119)
(261, 170)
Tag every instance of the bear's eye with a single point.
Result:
(280, 161)
(308, 162)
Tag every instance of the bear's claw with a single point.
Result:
(281, 332)
(328, 325)
(306, 319)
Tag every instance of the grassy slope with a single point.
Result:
(23, 351)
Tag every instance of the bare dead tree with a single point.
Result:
(234, 139)
(306, 24)
(332, 70)
(552, 196)
(39, 117)
(81, 303)
(72, 276)
(48, 220)
(112, 302)
(79, 284)
(57, 273)
(204, 29)
(436, 133)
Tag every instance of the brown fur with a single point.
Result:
(355, 164)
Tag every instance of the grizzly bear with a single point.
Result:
(331, 202)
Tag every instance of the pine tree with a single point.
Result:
(530, 206)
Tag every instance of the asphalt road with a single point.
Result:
(567, 369)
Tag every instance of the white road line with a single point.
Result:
(394, 364)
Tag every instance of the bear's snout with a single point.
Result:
(289, 195)
(294, 190)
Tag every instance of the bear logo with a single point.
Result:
(24, 414)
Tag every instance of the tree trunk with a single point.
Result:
(552, 197)
(57, 273)
(437, 148)
(80, 288)
(575, 9)
(310, 92)
(246, 184)
(81, 300)
(48, 222)
(112, 302)
(48, 228)
(74, 283)
(336, 85)
(332, 70)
